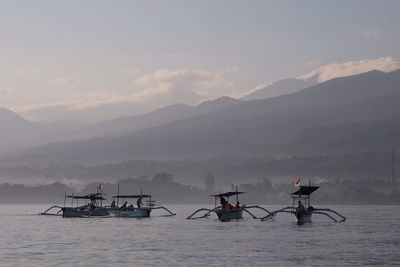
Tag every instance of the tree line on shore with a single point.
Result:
(165, 190)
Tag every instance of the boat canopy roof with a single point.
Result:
(95, 196)
(305, 190)
(227, 194)
(131, 196)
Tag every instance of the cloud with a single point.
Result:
(252, 90)
(9, 91)
(30, 108)
(133, 71)
(371, 34)
(184, 85)
(77, 111)
(313, 63)
(65, 80)
(335, 70)
(82, 101)
(163, 87)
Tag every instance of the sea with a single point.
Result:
(369, 236)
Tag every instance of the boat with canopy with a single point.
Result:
(226, 212)
(304, 211)
(140, 211)
(92, 209)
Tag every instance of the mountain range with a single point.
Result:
(353, 114)
(20, 133)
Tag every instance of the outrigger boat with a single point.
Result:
(92, 209)
(227, 212)
(304, 212)
(135, 212)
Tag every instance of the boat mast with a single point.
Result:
(101, 195)
(118, 197)
(393, 165)
(237, 195)
(309, 196)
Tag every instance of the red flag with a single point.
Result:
(297, 182)
(100, 186)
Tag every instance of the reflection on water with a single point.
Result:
(369, 236)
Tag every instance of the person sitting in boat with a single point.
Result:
(300, 207)
(113, 204)
(92, 206)
(123, 207)
(237, 205)
(139, 202)
(225, 205)
(130, 207)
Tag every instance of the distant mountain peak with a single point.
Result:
(216, 104)
(8, 115)
(174, 106)
(220, 100)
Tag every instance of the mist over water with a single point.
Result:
(368, 237)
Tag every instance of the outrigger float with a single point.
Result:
(227, 212)
(141, 211)
(92, 209)
(304, 212)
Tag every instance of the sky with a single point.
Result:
(94, 60)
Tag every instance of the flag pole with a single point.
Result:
(101, 194)
(118, 197)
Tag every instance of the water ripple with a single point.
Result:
(365, 239)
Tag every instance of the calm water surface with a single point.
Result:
(370, 236)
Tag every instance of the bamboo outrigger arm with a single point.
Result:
(205, 215)
(255, 207)
(164, 208)
(251, 214)
(321, 211)
(52, 214)
(288, 209)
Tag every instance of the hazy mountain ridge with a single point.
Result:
(60, 131)
(253, 128)
(160, 116)
(15, 128)
(18, 133)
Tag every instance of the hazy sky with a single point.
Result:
(63, 57)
